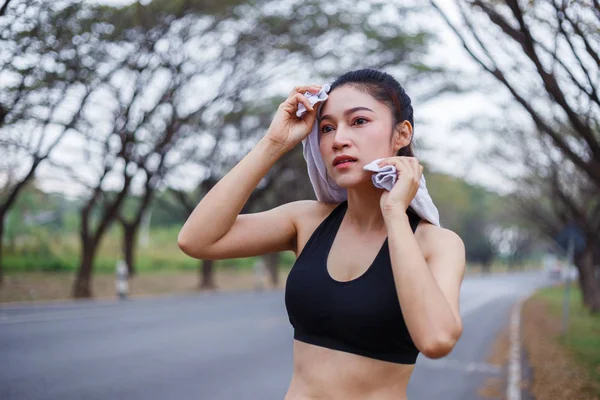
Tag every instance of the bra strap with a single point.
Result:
(413, 219)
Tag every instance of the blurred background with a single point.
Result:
(117, 116)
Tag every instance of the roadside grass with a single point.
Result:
(563, 366)
(583, 333)
(44, 286)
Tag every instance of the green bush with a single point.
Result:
(37, 263)
(45, 251)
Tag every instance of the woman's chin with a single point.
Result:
(349, 182)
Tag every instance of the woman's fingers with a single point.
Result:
(300, 98)
(297, 96)
(416, 168)
(404, 164)
(291, 104)
(305, 88)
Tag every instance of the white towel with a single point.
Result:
(384, 178)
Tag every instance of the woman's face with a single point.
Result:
(354, 124)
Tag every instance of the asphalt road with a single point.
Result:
(213, 347)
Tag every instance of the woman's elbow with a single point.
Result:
(442, 345)
(187, 245)
(437, 349)
(183, 243)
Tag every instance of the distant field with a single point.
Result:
(60, 253)
(43, 268)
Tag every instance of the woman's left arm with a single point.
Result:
(427, 276)
(428, 285)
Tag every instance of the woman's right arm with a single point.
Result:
(215, 230)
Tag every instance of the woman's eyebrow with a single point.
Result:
(347, 112)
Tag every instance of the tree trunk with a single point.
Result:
(206, 275)
(595, 267)
(82, 286)
(272, 264)
(486, 268)
(1, 248)
(581, 277)
(589, 279)
(129, 238)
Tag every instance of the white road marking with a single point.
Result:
(513, 391)
(465, 366)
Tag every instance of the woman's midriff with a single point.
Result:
(321, 373)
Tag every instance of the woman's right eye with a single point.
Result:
(326, 128)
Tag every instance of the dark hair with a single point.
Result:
(386, 89)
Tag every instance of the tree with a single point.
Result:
(131, 226)
(551, 194)
(148, 118)
(165, 86)
(471, 211)
(325, 37)
(42, 79)
(562, 70)
(546, 54)
(557, 196)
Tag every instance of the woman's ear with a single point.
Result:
(402, 135)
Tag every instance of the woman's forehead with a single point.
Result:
(347, 97)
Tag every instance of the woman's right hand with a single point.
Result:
(286, 129)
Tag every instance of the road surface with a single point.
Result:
(213, 346)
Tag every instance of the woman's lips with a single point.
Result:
(344, 164)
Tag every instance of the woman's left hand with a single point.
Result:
(409, 175)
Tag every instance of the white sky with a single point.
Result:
(451, 151)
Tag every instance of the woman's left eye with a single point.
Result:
(360, 121)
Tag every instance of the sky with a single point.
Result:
(450, 150)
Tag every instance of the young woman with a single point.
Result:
(373, 284)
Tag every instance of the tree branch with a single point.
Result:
(550, 82)
(580, 33)
(4, 7)
(560, 15)
(590, 168)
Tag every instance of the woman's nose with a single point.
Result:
(341, 138)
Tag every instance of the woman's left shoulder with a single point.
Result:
(433, 238)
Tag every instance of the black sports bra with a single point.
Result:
(361, 316)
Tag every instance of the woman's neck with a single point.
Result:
(364, 212)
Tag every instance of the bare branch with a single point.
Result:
(4, 7)
(579, 32)
(592, 93)
(550, 81)
(592, 169)
(560, 15)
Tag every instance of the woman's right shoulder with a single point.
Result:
(307, 215)
(304, 211)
